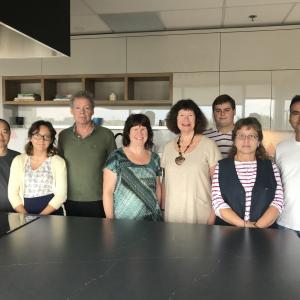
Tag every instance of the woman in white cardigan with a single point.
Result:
(38, 178)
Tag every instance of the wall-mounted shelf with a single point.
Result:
(130, 89)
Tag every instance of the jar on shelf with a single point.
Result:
(112, 97)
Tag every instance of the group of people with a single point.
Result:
(208, 176)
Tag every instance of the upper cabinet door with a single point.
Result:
(285, 85)
(173, 53)
(20, 67)
(202, 87)
(252, 92)
(90, 56)
(260, 50)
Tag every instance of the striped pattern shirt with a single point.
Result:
(223, 140)
(246, 172)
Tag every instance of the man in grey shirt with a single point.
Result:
(6, 157)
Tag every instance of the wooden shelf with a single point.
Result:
(42, 102)
(130, 89)
(22, 103)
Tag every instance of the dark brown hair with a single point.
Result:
(134, 120)
(223, 99)
(35, 128)
(186, 104)
(253, 123)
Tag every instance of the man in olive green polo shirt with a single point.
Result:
(85, 148)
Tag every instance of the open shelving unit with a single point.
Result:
(130, 89)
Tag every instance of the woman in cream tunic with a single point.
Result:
(188, 162)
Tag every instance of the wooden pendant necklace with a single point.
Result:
(179, 160)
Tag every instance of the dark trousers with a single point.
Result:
(85, 209)
(285, 228)
(59, 212)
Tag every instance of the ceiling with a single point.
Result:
(121, 16)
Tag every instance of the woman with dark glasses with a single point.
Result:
(246, 187)
(38, 178)
(188, 161)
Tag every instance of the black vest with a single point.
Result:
(233, 192)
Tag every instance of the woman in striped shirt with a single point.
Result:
(246, 186)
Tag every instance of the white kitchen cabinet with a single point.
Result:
(173, 53)
(90, 56)
(260, 50)
(201, 87)
(252, 92)
(285, 85)
(20, 67)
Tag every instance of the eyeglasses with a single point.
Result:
(250, 137)
(40, 137)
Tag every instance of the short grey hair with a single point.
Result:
(82, 94)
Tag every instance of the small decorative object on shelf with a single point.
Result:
(112, 97)
(62, 97)
(27, 97)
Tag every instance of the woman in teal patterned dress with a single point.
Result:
(131, 175)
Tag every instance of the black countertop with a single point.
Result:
(84, 258)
